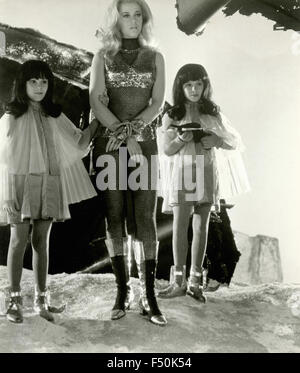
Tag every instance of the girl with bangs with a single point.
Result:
(41, 174)
(201, 163)
(127, 88)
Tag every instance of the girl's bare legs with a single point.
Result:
(177, 287)
(40, 247)
(181, 217)
(40, 261)
(17, 245)
(200, 234)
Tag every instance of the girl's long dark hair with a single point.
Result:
(19, 104)
(185, 74)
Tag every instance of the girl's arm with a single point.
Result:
(98, 94)
(172, 142)
(231, 139)
(224, 136)
(87, 134)
(7, 192)
(81, 137)
(212, 141)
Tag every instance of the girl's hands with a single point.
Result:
(9, 207)
(186, 136)
(134, 149)
(211, 141)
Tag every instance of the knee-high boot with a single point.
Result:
(130, 294)
(117, 249)
(147, 270)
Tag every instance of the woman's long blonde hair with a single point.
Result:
(110, 36)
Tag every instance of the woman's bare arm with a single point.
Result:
(98, 94)
(158, 92)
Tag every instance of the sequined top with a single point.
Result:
(129, 86)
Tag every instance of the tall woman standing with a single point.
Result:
(127, 88)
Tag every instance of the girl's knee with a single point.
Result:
(17, 244)
(18, 241)
(39, 242)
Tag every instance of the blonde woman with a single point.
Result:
(127, 88)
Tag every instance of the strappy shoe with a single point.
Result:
(177, 287)
(194, 289)
(14, 311)
(41, 305)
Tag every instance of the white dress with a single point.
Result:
(220, 172)
(41, 166)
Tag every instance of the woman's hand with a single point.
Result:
(134, 149)
(211, 141)
(113, 144)
(10, 207)
(113, 127)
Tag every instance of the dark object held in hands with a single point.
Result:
(198, 131)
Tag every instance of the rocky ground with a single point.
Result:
(239, 319)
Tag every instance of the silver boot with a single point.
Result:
(147, 269)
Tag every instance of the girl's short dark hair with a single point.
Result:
(186, 73)
(28, 70)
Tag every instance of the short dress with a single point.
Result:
(40, 166)
(197, 176)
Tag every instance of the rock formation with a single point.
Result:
(260, 260)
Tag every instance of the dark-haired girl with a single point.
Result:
(195, 172)
(41, 174)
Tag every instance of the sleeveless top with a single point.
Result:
(129, 86)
